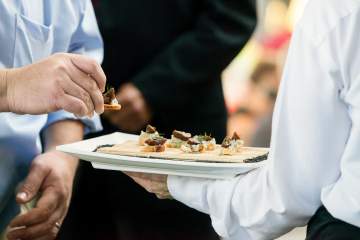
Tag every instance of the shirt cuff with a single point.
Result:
(200, 193)
(91, 124)
(190, 191)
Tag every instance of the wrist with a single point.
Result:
(69, 163)
(4, 104)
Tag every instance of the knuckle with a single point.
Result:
(84, 96)
(61, 66)
(46, 227)
(93, 86)
(38, 166)
(57, 83)
(62, 193)
(94, 65)
(28, 188)
(45, 213)
(79, 108)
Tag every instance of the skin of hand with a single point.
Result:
(62, 81)
(51, 176)
(136, 112)
(153, 183)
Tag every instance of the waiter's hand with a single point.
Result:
(153, 183)
(63, 81)
(51, 176)
(136, 113)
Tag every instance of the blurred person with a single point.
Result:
(265, 81)
(35, 80)
(253, 118)
(165, 58)
(313, 171)
(243, 121)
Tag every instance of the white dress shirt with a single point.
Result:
(315, 149)
(31, 30)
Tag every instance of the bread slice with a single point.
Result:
(112, 107)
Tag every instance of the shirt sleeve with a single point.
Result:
(342, 198)
(91, 124)
(314, 151)
(87, 39)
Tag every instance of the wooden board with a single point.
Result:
(133, 149)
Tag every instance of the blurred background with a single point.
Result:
(251, 81)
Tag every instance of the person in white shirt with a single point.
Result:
(314, 161)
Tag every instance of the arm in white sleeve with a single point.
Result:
(87, 39)
(311, 128)
(342, 199)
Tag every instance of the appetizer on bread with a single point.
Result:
(231, 146)
(208, 141)
(149, 133)
(193, 145)
(110, 101)
(178, 138)
(155, 144)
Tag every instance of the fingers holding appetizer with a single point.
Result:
(63, 81)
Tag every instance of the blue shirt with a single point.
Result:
(30, 31)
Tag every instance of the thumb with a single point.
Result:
(32, 184)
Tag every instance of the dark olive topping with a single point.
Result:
(235, 136)
(181, 135)
(193, 141)
(150, 129)
(226, 142)
(109, 96)
(156, 141)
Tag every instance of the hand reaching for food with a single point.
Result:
(62, 81)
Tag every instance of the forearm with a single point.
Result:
(63, 132)
(3, 91)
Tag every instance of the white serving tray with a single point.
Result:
(84, 151)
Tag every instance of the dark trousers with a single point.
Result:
(107, 205)
(323, 226)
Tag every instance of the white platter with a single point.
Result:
(84, 151)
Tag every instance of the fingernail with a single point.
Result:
(22, 196)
